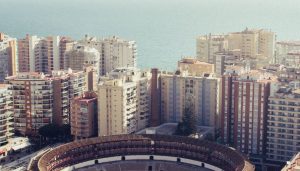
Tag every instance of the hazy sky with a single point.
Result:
(281, 16)
(165, 30)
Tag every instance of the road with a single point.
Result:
(22, 163)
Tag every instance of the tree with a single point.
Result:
(56, 132)
(188, 124)
(49, 131)
(65, 132)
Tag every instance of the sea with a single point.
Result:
(165, 30)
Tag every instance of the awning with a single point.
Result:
(21, 146)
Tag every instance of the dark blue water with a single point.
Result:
(165, 30)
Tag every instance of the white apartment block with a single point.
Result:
(8, 56)
(81, 57)
(114, 52)
(6, 114)
(253, 43)
(201, 93)
(124, 102)
(292, 59)
(282, 50)
(283, 123)
(208, 45)
(42, 54)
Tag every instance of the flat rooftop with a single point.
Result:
(170, 129)
(163, 129)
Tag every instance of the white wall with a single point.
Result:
(141, 157)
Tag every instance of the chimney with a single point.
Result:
(155, 106)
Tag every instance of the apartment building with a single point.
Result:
(26, 53)
(6, 114)
(124, 101)
(8, 56)
(208, 45)
(114, 52)
(266, 43)
(245, 96)
(292, 59)
(283, 124)
(65, 45)
(42, 54)
(84, 116)
(256, 45)
(181, 90)
(194, 66)
(66, 86)
(228, 58)
(253, 43)
(81, 57)
(42, 99)
(282, 48)
(91, 78)
(32, 101)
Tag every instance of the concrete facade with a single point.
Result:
(114, 52)
(33, 101)
(6, 114)
(66, 86)
(42, 99)
(201, 93)
(292, 59)
(208, 45)
(256, 45)
(124, 101)
(42, 54)
(8, 56)
(228, 58)
(244, 109)
(282, 48)
(81, 57)
(253, 43)
(84, 113)
(283, 123)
